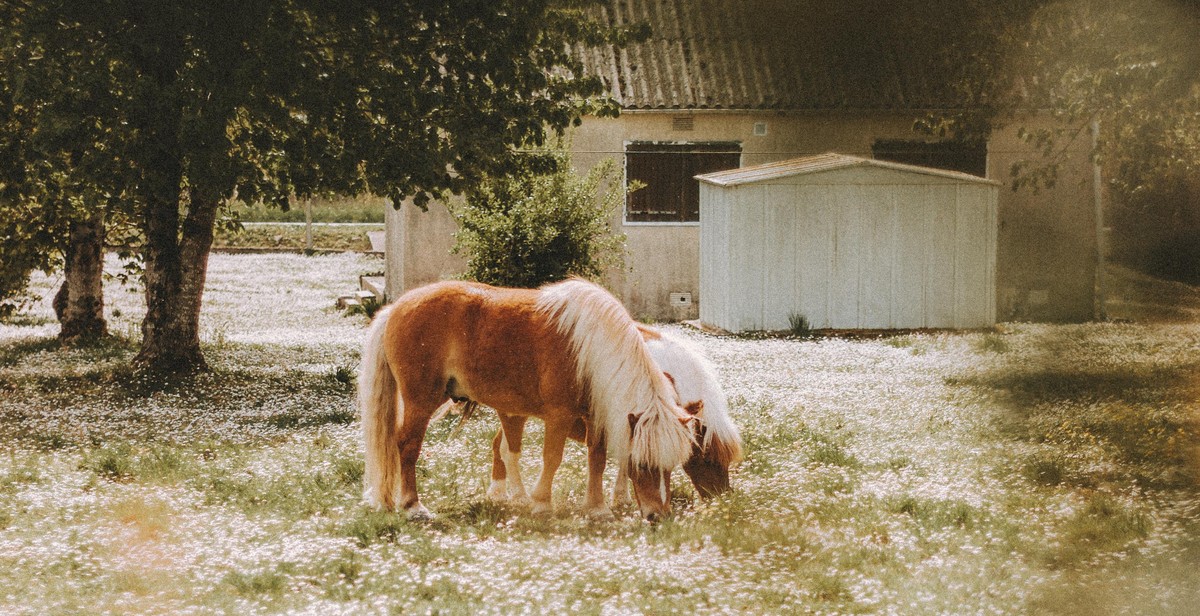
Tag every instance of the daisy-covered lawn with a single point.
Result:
(1028, 469)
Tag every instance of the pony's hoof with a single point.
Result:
(419, 513)
(497, 492)
(601, 514)
(540, 508)
(521, 499)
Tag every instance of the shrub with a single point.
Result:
(529, 228)
(799, 326)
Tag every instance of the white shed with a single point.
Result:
(847, 243)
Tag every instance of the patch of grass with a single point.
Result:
(933, 514)
(114, 462)
(344, 376)
(291, 420)
(359, 210)
(22, 472)
(1044, 470)
(372, 527)
(126, 461)
(269, 583)
(1102, 525)
(827, 447)
(799, 326)
(992, 343)
(312, 488)
(292, 237)
(10, 354)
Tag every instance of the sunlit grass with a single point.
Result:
(1039, 469)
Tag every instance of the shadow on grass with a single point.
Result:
(1143, 416)
(105, 349)
(1034, 385)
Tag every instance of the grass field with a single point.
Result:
(357, 210)
(291, 236)
(271, 228)
(1033, 469)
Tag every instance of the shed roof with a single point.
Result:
(822, 163)
(781, 54)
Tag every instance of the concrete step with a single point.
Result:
(374, 284)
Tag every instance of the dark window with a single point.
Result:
(668, 172)
(965, 156)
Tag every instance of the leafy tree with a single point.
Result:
(162, 111)
(53, 193)
(531, 227)
(1121, 76)
(1129, 68)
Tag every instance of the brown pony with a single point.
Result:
(565, 353)
(718, 444)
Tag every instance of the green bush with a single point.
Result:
(530, 228)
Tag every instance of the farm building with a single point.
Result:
(847, 243)
(719, 86)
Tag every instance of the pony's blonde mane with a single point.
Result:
(696, 379)
(613, 364)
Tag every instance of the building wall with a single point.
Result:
(418, 247)
(1047, 240)
(1045, 259)
(664, 258)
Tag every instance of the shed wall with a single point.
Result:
(864, 254)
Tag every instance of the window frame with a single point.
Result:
(734, 147)
(923, 154)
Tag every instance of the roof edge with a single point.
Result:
(821, 163)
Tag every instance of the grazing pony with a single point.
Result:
(564, 353)
(718, 444)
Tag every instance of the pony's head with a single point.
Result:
(660, 439)
(718, 444)
(712, 455)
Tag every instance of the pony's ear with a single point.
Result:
(633, 419)
(694, 408)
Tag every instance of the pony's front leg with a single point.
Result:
(597, 458)
(552, 453)
(506, 456)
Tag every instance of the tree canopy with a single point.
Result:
(162, 111)
(1129, 68)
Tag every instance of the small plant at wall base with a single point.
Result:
(799, 326)
(531, 228)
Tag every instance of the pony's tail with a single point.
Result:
(381, 411)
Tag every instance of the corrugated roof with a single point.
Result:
(775, 54)
(821, 163)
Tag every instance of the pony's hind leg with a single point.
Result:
(417, 414)
(508, 444)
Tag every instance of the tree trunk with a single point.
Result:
(176, 269)
(80, 303)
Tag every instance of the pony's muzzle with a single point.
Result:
(652, 489)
